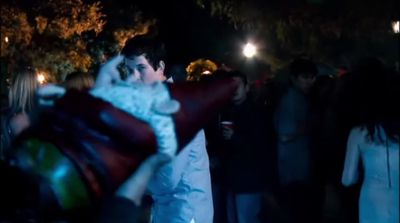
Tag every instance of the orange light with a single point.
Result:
(206, 72)
(41, 78)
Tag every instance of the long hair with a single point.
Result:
(22, 92)
(388, 116)
(21, 100)
(379, 99)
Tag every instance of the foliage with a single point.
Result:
(69, 18)
(14, 26)
(200, 67)
(122, 24)
(60, 37)
(324, 30)
(51, 34)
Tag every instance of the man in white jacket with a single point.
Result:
(181, 189)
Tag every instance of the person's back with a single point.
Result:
(292, 125)
(381, 163)
(292, 121)
(291, 118)
(379, 198)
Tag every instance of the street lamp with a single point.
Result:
(396, 30)
(41, 78)
(249, 50)
(206, 72)
(395, 26)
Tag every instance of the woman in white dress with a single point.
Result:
(378, 154)
(373, 149)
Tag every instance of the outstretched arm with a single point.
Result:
(350, 171)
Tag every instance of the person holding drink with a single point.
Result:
(242, 129)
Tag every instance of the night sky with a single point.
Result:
(189, 32)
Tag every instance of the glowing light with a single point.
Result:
(249, 50)
(60, 172)
(395, 26)
(206, 72)
(41, 78)
(6, 39)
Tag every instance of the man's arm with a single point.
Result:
(125, 205)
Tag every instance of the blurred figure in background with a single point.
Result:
(79, 81)
(21, 103)
(292, 124)
(247, 158)
(177, 73)
(374, 143)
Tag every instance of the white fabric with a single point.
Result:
(49, 93)
(379, 197)
(149, 103)
(181, 190)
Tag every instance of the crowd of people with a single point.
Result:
(285, 152)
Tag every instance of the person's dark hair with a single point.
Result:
(239, 75)
(151, 47)
(177, 72)
(378, 96)
(322, 90)
(303, 67)
(233, 73)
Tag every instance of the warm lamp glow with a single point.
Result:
(395, 26)
(249, 50)
(41, 78)
(6, 39)
(206, 72)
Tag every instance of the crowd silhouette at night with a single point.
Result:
(308, 148)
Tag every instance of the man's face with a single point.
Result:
(241, 92)
(304, 82)
(140, 70)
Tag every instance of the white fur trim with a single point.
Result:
(150, 103)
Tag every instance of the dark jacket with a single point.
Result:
(250, 165)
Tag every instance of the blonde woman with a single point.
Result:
(21, 101)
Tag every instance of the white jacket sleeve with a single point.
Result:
(350, 171)
(167, 178)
